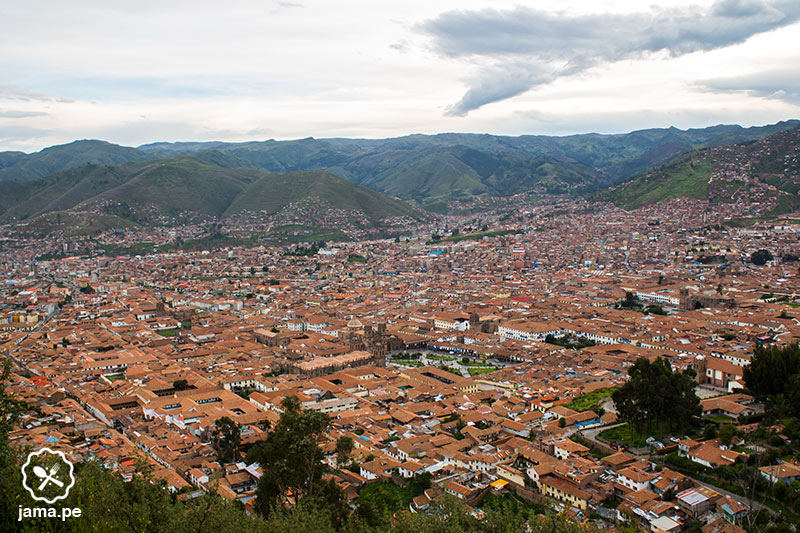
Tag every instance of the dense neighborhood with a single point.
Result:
(491, 367)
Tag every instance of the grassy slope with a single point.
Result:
(685, 177)
(772, 160)
(63, 190)
(8, 159)
(512, 173)
(422, 176)
(272, 192)
(79, 223)
(288, 156)
(207, 183)
(183, 184)
(591, 400)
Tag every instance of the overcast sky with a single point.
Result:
(145, 71)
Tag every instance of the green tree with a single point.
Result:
(226, 438)
(692, 526)
(344, 447)
(760, 257)
(726, 434)
(10, 479)
(630, 300)
(771, 370)
(655, 394)
(290, 457)
(420, 483)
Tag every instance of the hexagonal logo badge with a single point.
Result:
(47, 475)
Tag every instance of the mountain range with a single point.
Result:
(366, 183)
(427, 169)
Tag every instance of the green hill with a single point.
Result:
(273, 192)
(425, 169)
(177, 186)
(420, 176)
(687, 176)
(170, 186)
(459, 172)
(8, 159)
(763, 174)
(60, 191)
(183, 189)
(27, 167)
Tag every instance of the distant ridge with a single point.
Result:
(430, 170)
(459, 165)
(25, 167)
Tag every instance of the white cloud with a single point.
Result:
(779, 84)
(201, 70)
(529, 47)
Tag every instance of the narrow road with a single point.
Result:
(591, 436)
(752, 504)
(608, 405)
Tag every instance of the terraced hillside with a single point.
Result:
(762, 177)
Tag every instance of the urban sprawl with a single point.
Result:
(482, 351)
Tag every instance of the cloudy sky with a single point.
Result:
(145, 71)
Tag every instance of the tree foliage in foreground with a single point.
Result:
(10, 476)
(290, 457)
(774, 373)
(344, 447)
(226, 438)
(110, 504)
(656, 395)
